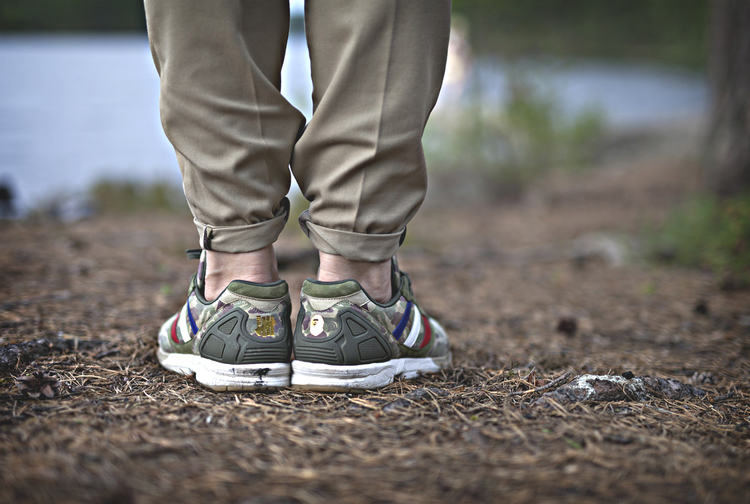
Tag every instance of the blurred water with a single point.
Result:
(76, 109)
(628, 95)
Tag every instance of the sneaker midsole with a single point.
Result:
(218, 374)
(364, 376)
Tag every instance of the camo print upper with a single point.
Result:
(323, 314)
(205, 314)
(266, 311)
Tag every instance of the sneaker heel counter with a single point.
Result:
(228, 339)
(346, 338)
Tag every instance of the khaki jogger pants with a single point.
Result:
(377, 67)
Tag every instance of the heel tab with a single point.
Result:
(315, 288)
(274, 290)
(199, 280)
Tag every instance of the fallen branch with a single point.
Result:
(722, 397)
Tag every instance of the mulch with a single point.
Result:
(82, 303)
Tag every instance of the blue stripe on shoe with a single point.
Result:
(402, 323)
(192, 320)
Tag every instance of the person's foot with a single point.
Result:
(239, 341)
(345, 341)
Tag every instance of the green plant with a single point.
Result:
(130, 197)
(672, 32)
(708, 232)
(517, 140)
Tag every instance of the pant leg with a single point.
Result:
(220, 67)
(377, 67)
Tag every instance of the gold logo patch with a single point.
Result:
(266, 325)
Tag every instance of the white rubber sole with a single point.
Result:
(227, 377)
(332, 378)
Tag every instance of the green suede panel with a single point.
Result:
(406, 289)
(408, 295)
(182, 348)
(327, 290)
(259, 291)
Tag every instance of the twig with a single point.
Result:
(544, 387)
(106, 353)
(531, 375)
(660, 410)
(722, 397)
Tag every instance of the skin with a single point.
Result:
(260, 266)
(375, 278)
(222, 267)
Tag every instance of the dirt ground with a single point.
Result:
(529, 291)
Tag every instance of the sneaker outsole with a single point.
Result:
(227, 377)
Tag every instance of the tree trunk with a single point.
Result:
(727, 156)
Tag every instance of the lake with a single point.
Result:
(75, 109)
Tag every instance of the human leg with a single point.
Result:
(374, 277)
(219, 62)
(221, 107)
(257, 266)
(377, 69)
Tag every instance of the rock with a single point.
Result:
(701, 307)
(672, 389)
(567, 326)
(617, 388)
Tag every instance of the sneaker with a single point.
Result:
(346, 342)
(239, 341)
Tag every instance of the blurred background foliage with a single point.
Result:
(513, 141)
(72, 15)
(113, 197)
(661, 31)
(517, 140)
(708, 232)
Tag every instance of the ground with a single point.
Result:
(550, 286)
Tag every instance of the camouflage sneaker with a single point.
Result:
(240, 341)
(345, 341)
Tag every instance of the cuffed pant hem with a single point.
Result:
(243, 238)
(351, 245)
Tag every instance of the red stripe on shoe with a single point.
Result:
(427, 332)
(174, 329)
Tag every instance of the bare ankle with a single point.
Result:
(375, 278)
(258, 266)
